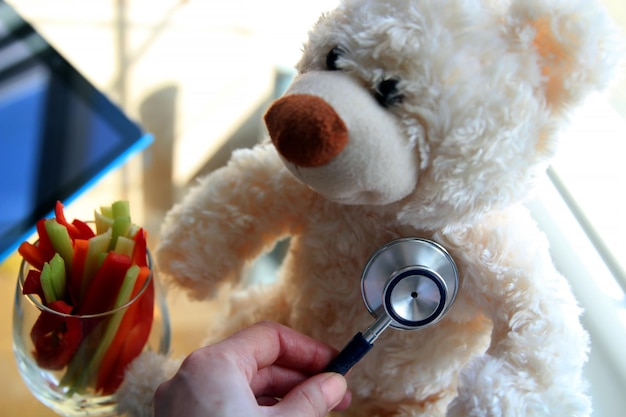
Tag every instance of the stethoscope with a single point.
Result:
(407, 284)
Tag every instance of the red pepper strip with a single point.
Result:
(81, 246)
(45, 245)
(105, 285)
(56, 337)
(138, 336)
(141, 248)
(32, 284)
(136, 341)
(32, 254)
(131, 336)
(72, 230)
(84, 230)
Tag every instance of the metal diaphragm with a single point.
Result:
(413, 281)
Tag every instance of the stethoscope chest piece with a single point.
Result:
(413, 281)
(407, 284)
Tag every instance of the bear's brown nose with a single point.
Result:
(306, 130)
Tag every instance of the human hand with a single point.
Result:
(264, 370)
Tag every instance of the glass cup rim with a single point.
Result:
(25, 266)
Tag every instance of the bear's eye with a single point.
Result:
(332, 57)
(387, 94)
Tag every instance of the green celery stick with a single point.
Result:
(106, 211)
(80, 375)
(126, 290)
(121, 209)
(127, 286)
(103, 223)
(120, 228)
(75, 377)
(101, 257)
(125, 246)
(46, 284)
(61, 242)
(132, 230)
(58, 276)
(97, 245)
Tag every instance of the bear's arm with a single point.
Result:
(533, 366)
(228, 219)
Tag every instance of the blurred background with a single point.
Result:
(199, 75)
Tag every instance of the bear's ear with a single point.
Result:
(574, 43)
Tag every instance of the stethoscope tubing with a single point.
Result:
(358, 347)
(352, 353)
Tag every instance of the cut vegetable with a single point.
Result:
(85, 231)
(32, 284)
(114, 362)
(81, 272)
(32, 254)
(106, 211)
(97, 245)
(103, 223)
(126, 291)
(81, 247)
(46, 284)
(140, 253)
(56, 337)
(103, 289)
(44, 244)
(72, 230)
(120, 208)
(125, 246)
(57, 276)
(121, 225)
(61, 241)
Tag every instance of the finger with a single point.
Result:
(315, 397)
(201, 387)
(265, 343)
(276, 381)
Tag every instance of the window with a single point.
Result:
(579, 206)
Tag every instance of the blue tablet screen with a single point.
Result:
(58, 134)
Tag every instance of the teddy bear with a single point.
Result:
(408, 118)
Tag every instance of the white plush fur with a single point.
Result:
(380, 146)
(485, 86)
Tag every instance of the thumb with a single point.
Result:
(315, 397)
